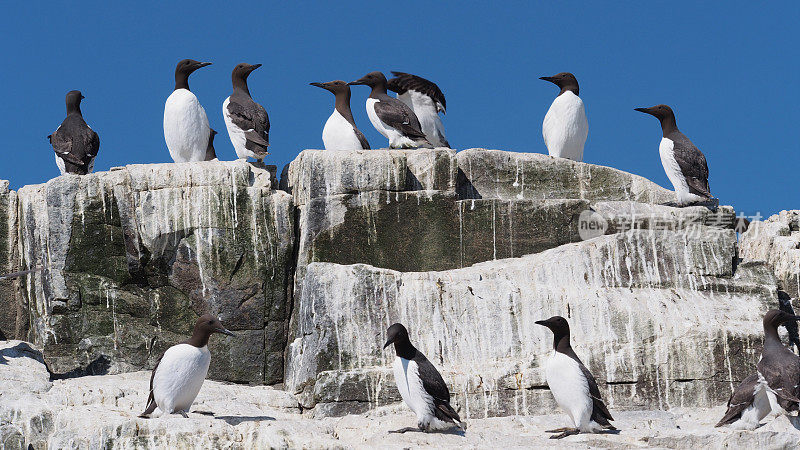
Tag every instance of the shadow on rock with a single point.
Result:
(236, 420)
(21, 350)
(99, 366)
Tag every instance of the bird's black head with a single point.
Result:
(396, 333)
(336, 86)
(775, 318)
(187, 66)
(659, 111)
(205, 326)
(242, 70)
(371, 79)
(74, 101)
(560, 328)
(564, 80)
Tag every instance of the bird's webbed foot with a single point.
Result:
(564, 432)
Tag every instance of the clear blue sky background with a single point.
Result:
(730, 71)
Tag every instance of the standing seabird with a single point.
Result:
(211, 154)
(685, 165)
(74, 142)
(340, 131)
(426, 99)
(565, 127)
(774, 387)
(186, 126)
(420, 385)
(247, 121)
(572, 385)
(392, 118)
(179, 373)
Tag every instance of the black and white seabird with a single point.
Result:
(179, 373)
(774, 386)
(685, 165)
(74, 142)
(565, 127)
(573, 386)
(247, 121)
(186, 126)
(211, 154)
(391, 117)
(340, 131)
(420, 385)
(426, 99)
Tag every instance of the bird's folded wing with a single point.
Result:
(399, 116)
(740, 399)
(252, 119)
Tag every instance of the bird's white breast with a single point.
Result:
(339, 134)
(569, 387)
(428, 114)
(673, 170)
(763, 401)
(186, 128)
(373, 117)
(565, 127)
(179, 377)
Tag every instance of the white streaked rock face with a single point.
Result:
(645, 307)
(100, 412)
(777, 241)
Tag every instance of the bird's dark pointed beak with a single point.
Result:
(254, 67)
(644, 110)
(543, 323)
(550, 79)
(203, 64)
(225, 331)
(358, 82)
(82, 97)
(320, 85)
(388, 343)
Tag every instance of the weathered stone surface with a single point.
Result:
(644, 308)
(777, 241)
(9, 262)
(100, 412)
(133, 255)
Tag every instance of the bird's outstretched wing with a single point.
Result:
(407, 82)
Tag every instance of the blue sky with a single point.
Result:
(729, 70)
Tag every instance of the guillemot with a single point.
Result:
(74, 142)
(685, 165)
(179, 373)
(774, 386)
(565, 127)
(186, 127)
(420, 385)
(340, 131)
(426, 99)
(573, 386)
(246, 120)
(392, 118)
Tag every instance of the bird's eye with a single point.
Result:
(210, 322)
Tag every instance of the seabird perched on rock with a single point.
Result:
(391, 117)
(340, 131)
(685, 165)
(186, 127)
(573, 386)
(426, 99)
(74, 142)
(565, 127)
(211, 154)
(420, 385)
(179, 373)
(774, 386)
(247, 121)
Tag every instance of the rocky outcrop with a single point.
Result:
(132, 255)
(100, 412)
(777, 241)
(466, 248)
